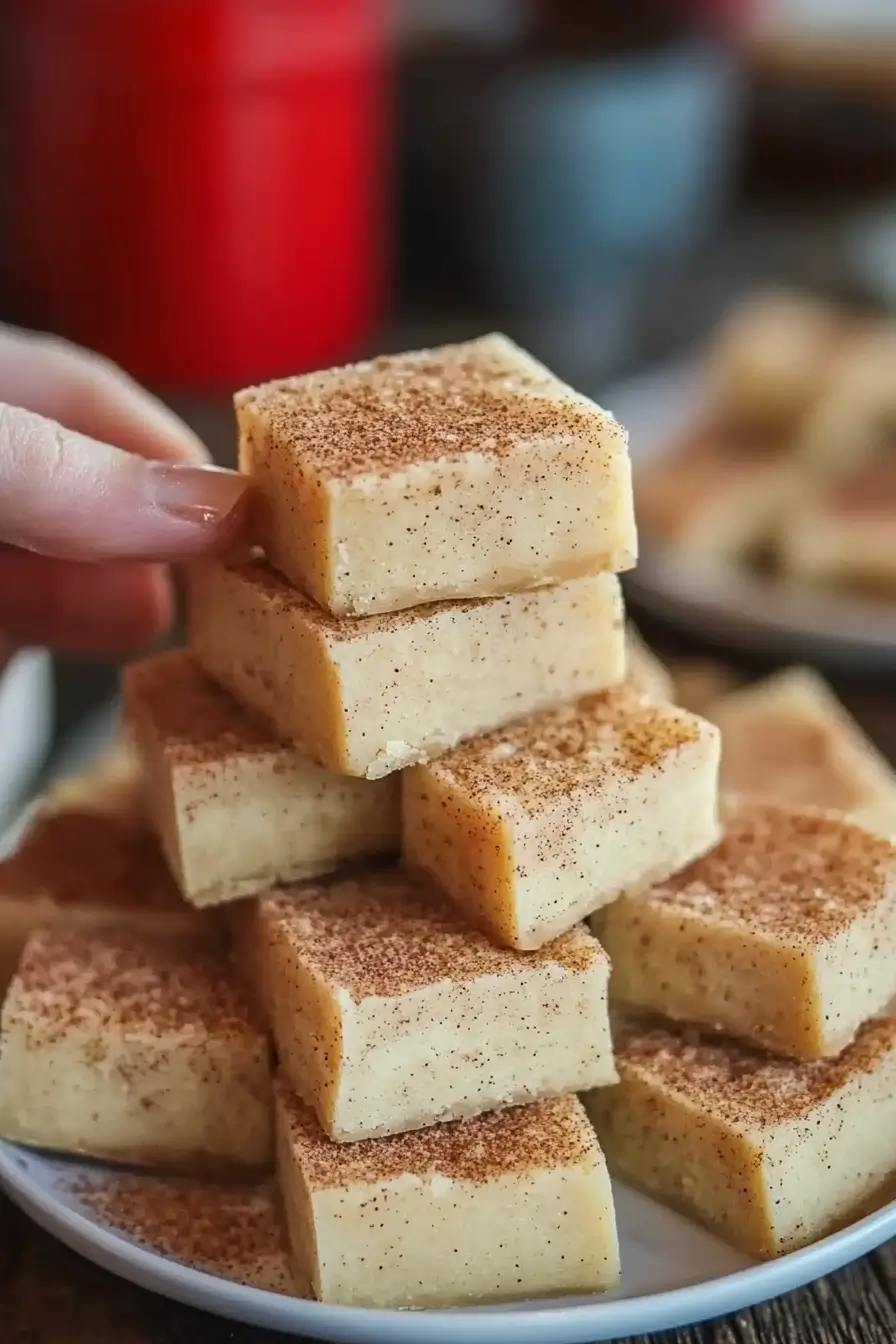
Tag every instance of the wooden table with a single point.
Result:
(50, 1296)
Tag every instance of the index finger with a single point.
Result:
(91, 395)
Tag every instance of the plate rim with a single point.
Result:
(726, 603)
(750, 612)
(579, 1323)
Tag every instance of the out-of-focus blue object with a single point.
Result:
(871, 246)
(593, 173)
(26, 725)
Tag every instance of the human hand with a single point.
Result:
(80, 518)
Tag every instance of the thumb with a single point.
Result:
(66, 495)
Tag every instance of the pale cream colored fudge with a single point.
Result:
(467, 471)
(367, 697)
(390, 1014)
(700, 682)
(643, 669)
(111, 786)
(516, 1204)
(235, 809)
(788, 737)
(770, 358)
(532, 827)
(717, 494)
(853, 423)
(241, 928)
(135, 1049)
(781, 936)
(844, 536)
(769, 1153)
(234, 1231)
(86, 871)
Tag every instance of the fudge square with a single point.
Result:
(718, 493)
(468, 471)
(782, 936)
(532, 827)
(788, 737)
(236, 810)
(135, 1049)
(110, 786)
(644, 670)
(369, 696)
(83, 870)
(769, 1153)
(390, 1014)
(515, 1204)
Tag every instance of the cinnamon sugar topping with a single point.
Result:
(233, 1231)
(710, 463)
(484, 397)
(77, 858)
(799, 874)
(741, 1086)
(544, 1135)
(779, 754)
(384, 935)
(195, 719)
(871, 492)
(542, 759)
(155, 984)
(283, 598)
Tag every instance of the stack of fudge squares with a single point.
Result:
(348, 898)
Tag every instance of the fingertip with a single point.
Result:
(158, 598)
(91, 395)
(123, 413)
(163, 435)
(212, 509)
(106, 610)
(138, 608)
(65, 494)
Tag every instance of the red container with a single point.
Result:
(198, 183)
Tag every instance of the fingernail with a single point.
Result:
(211, 498)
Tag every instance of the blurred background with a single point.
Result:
(212, 192)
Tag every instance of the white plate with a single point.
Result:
(673, 1274)
(727, 603)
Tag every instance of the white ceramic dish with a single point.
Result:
(673, 1274)
(729, 604)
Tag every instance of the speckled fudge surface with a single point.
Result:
(781, 935)
(237, 810)
(370, 696)
(466, 471)
(390, 1013)
(532, 827)
(508, 1205)
(81, 870)
(770, 1153)
(788, 737)
(134, 1048)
